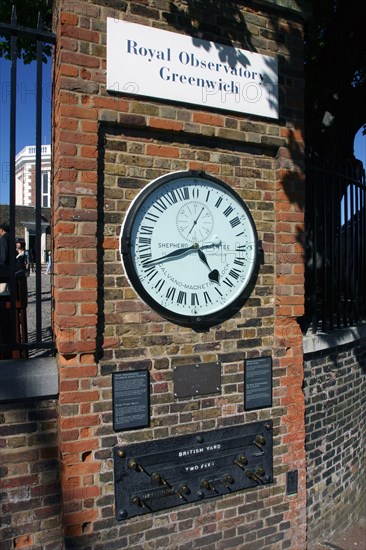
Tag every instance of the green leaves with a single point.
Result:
(26, 13)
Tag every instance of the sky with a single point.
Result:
(26, 117)
(360, 147)
(26, 114)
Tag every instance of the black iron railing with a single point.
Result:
(335, 257)
(13, 343)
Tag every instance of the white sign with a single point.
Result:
(154, 63)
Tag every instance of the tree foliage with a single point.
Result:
(27, 13)
(335, 60)
(335, 76)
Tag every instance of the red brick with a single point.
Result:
(81, 493)
(87, 309)
(80, 59)
(79, 397)
(205, 118)
(79, 421)
(82, 34)
(162, 151)
(78, 371)
(76, 321)
(88, 282)
(23, 541)
(67, 18)
(69, 70)
(91, 152)
(74, 111)
(89, 177)
(69, 123)
(166, 124)
(69, 385)
(115, 104)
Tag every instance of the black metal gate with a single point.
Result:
(13, 339)
(335, 236)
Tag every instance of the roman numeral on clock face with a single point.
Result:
(182, 297)
(234, 222)
(190, 247)
(146, 230)
(159, 285)
(160, 205)
(183, 193)
(151, 217)
(144, 244)
(145, 257)
(207, 298)
(194, 299)
(175, 195)
(228, 211)
(170, 293)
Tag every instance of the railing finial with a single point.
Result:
(13, 19)
(39, 22)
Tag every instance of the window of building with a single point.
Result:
(45, 190)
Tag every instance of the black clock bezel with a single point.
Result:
(198, 321)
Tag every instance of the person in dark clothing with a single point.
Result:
(21, 259)
(4, 244)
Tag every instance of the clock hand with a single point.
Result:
(202, 257)
(216, 241)
(196, 220)
(174, 254)
(214, 274)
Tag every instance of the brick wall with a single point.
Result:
(335, 386)
(105, 149)
(30, 506)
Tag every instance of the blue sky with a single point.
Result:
(360, 147)
(26, 117)
(26, 114)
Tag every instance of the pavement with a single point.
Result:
(46, 311)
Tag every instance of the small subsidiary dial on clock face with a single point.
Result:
(189, 246)
(195, 222)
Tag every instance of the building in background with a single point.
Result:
(25, 176)
(25, 197)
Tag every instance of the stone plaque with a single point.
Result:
(130, 399)
(292, 479)
(258, 383)
(197, 379)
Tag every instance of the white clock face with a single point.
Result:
(189, 246)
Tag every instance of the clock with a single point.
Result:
(189, 247)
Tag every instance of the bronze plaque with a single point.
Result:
(164, 473)
(197, 379)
